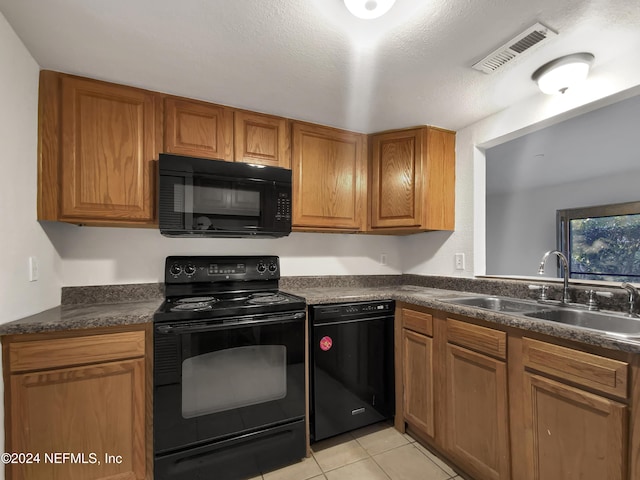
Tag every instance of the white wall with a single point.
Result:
(100, 256)
(526, 224)
(432, 254)
(21, 235)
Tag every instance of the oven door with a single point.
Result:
(229, 377)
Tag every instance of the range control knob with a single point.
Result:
(273, 267)
(175, 269)
(261, 267)
(189, 269)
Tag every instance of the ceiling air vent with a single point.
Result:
(515, 47)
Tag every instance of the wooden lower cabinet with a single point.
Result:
(418, 381)
(477, 422)
(500, 403)
(572, 434)
(86, 421)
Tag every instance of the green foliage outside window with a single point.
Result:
(605, 248)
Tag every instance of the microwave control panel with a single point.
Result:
(283, 206)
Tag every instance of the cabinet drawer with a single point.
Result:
(417, 321)
(481, 339)
(63, 352)
(593, 371)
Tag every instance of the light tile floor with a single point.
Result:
(377, 452)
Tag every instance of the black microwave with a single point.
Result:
(199, 197)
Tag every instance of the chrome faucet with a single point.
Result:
(565, 267)
(633, 297)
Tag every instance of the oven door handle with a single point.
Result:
(196, 327)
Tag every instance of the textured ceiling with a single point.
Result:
(311, 60)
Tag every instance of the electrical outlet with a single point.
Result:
(383, 259)
(459, 259)
(34, 269)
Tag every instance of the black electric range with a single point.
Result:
(228, 370)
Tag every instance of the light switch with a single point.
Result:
(34, 269)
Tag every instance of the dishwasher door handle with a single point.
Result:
(338, 321)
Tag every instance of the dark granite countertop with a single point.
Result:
(78, 316)
(104, 306)
(436, 299)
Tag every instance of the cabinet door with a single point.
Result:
(262, 139)
(108, 144)
(329, 177)
(198, 129)
(91, 411)
(477, 409)
(396, 179)
(413, 180)
(418, 381)
(572, 434)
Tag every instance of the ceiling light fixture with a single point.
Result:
(564, 72)
(369, 9)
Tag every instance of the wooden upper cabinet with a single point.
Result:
(412, 175)
(98, 144)
(329, 178)
(396, 179)
(198, 129)
(109, 140)
(261, 139)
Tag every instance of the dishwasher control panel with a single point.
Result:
(342, 311)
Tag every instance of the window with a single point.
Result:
(601, 243)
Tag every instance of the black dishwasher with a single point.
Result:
(351, 366)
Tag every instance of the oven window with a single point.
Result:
(233, 378)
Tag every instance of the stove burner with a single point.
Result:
(266, 298)
(192, 307)
(196, 300)
(194, 304)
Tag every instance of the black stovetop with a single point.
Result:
(227, 304)
(208, 287)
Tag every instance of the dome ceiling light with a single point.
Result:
(369, 9)
(562, 73)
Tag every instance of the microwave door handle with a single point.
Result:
(197, 328)
(188, 201)
(226, 179)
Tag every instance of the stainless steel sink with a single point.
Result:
(612, 323)
(601, 321)
(499, 304)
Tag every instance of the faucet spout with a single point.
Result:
(633, 297)
(566, 298)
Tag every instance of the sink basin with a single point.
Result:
(603, 322)
(499, 304)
